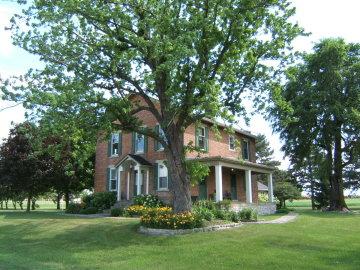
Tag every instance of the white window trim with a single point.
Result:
(232, 136)
(161, 163)
(248, 149)
(111, 147)
(161, 147)
(197, 137)
(116, 179)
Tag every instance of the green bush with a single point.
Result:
(148, 200)
(220, 214)
(104, 200)
(204, 213)
(89, 211)
(211, 205)
(248, 214)
(74, 208)
(224, 205)
(116, 212)
(88, 200)
(233, 216)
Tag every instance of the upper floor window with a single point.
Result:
(139, 143)
(202, 138)
(163, 180)
(160, 132)
(113, 180)
(231, 142)
(245, 149)
(115, 140)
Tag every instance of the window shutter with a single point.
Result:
(156, 173)
(206, 139)
(107, 179)
(196, 136)
(133, 142)
(109, 146)
(169, 180)
(156, 143)
(145, 143)
(120, 144)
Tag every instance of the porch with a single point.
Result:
(233, 179)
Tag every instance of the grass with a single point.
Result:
(50, 240)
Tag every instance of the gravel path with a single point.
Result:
(284, 219)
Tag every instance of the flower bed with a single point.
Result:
(156, 219)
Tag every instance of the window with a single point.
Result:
(113, 179)
(162, 176)
(231, 142)
(139, 143)
(158, 145)
(245, 149)
(201, 137)
(115, 144)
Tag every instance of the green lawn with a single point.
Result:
(49, 240)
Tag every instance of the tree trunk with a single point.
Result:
(312, 187)
(67, 199)
(58, 198)
(33, 204)
(6, 204)
(180, 180)
(14, 204)
(337, 199)
(21, 203)
(28, 205)
(1, 205)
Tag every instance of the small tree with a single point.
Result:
(286, 191)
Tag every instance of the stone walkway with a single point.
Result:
(284, 219)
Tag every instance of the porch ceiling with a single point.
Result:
(235, 163)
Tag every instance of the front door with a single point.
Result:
(202, 190)
(233, 186)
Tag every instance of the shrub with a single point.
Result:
(220, 214)
(211, 205)
(224, 205)
(116, 212)
(248, 214)
(74, 208)
(148, 200)
(186, 220)
(263, 197)
(89, 211)
(233, 216)
(104, 200)
(204, 213)
(88, 200)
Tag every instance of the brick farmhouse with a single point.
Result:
(131, 164)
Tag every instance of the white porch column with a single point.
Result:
(138, 180)
(248, 186)
(270, 188)
(218, 182)
(119, 183)
(128, 186)
(147, 182)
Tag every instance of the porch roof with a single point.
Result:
(136, 158)
(235, 163)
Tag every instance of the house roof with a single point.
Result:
(236, 163)
(237, 130)
(262, 187)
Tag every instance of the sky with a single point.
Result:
(322, 18)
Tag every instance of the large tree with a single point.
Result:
(318, 113)
(186, 59)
